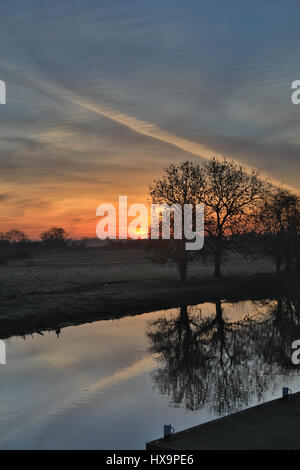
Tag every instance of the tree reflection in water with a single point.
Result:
(222, 365)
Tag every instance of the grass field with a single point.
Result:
(58, 288)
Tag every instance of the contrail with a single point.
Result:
(137, 125)
(146, 128)
(155, 132)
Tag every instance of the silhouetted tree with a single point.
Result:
(229, 197)
(210, 361)
(15, 236)
(278, 220)
(279, 327)
(180, 185)
(54, 237)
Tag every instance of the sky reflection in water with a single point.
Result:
(113, 384)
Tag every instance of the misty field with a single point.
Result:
(61, 270)
(61, 287)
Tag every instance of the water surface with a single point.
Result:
(113, 384)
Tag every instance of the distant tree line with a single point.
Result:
(15, 244)
(54, 236)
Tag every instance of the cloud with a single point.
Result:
(134, 124)
(137, 125)
(4, 197)
(110, 94)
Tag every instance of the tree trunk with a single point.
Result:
(182, 258)
(288, 263)
(183, 271)
(278, 264)
(220, 330)
(218, 263)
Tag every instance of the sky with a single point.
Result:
(103, 94)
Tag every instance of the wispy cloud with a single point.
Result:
(137, 125)
(134, 124)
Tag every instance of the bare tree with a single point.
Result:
(56, 236)
(180, 185)
(229, 197)
(278, 221)
(214, 362)
(15, 236)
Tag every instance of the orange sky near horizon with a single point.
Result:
(76, 216)
(101, 98)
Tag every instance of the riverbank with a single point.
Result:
(274, 425)
(58, 291)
